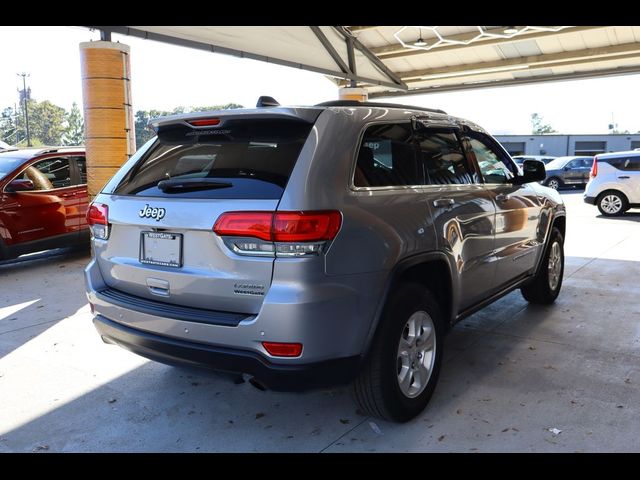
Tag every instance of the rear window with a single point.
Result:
(242, 159)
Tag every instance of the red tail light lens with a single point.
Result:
(283, 349)
(205, 122)
(98, 220)
(306, 226)
(98, 214)
(594, 168)
(245, 224)
(280, 226)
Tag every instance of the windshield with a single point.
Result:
(8, 165)
(558, 163)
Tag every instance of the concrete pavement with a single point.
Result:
(512, 373)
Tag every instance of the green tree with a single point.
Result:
(74, 131)
(538, 127)
(46, 122)
(9, 132)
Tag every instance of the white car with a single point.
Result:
(614, 185)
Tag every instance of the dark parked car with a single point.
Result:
(43, 200)
(519, 159)
(568, 171)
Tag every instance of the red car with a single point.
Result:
(43, 200)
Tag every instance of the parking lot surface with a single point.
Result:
(516, 377)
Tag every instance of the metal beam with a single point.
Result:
(624, 50)
(372, 58)
(134, 32)
(398, 51)
(512, 82)
(329, 48)
(352, 58)
(362, 28)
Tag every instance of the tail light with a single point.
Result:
(98, 220)
(283, 349)
(281, 233)
(594, 168)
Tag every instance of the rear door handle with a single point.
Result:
(624, 176)
(502, 197)
(443, 202)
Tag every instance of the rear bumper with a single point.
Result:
(289, 377)
(589, 200)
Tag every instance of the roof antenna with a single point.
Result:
(267, 102)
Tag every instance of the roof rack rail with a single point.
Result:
(354, 103)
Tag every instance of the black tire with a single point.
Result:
(624, 203)
(549, 182)
(539, 290)
(377, 390)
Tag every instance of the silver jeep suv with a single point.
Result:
(314, 246)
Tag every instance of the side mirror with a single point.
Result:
(19, 185)
(566, 168)
(532, 171)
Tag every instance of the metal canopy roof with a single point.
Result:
(385, 61)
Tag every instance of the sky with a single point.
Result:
(166, 76)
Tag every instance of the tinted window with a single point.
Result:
(387, 157)
(48, 174)
(493, 166)
(624, 163)
(248, 159)
(444, 160)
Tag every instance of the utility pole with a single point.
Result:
(26, 113)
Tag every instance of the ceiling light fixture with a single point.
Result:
(420, 42)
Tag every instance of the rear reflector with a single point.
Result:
(205, 122)
(283, 349)
(594, 168)
(280, 226)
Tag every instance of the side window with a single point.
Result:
(48, 174)
(625, 163)
(577, 163)
(494, 168)
(387, 157)
(443, 159)
(82, 169)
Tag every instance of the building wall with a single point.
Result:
(560, 145)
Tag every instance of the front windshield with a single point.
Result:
(557, 163)
(8, 165)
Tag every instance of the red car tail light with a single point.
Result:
(98, 220)
(245, 224)
(285, 233)
(594, 168)
(205, 122)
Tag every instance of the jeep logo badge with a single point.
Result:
(149, 212)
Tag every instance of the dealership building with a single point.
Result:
(561, 145)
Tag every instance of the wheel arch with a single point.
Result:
(431, 269)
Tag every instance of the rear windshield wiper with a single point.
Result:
(176, 184)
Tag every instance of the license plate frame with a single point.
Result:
(150, 240)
